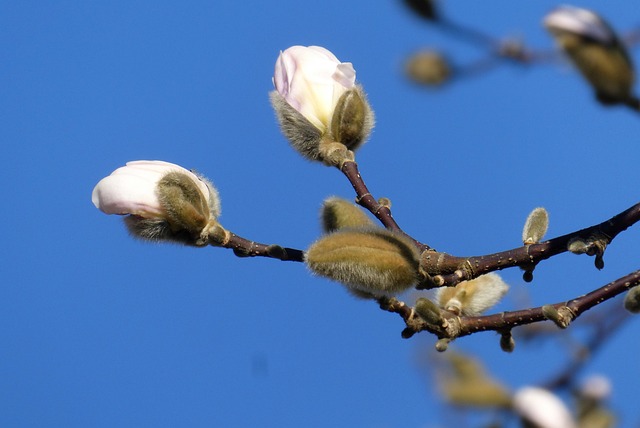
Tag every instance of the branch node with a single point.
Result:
(561, 316)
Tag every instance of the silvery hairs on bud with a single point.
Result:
(352, 119)
(338, 213)
(535, 226)
(301, 133)
(187, 212)
(373, 260)
(473, 297)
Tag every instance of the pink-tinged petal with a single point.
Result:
(345, 75)
(131, 189)
(311, 79)
(125, 193)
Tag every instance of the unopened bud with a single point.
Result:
(561, 317)
(372, 260)
(536, 226)
(507, 344)
(338, 213)
(352, 120)
(428, 311)
(578, 246)
(428, 68)
(473, 297)
(442, 344)
(632, 300)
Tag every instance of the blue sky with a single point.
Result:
(101, 330)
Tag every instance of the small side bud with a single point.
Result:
(385, 202)
(442, 344)
(632, 300)
(352, 120)
(561, 317)
(578, 245)
(428, 68)
(372, 260)
(507, 344)
(473, 297)
(536, 226)
(595, 245)
(428, 311)
(338, 213)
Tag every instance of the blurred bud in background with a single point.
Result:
(595, 49)
(429, 68)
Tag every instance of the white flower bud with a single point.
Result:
(473, 297)
(162, 201)
(542, 408)
(319, 105)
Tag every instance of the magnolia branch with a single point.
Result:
(448, 270)
(562, 314)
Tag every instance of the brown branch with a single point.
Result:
(366, 200)
(450, 270)
(453, 327)
(243, 247)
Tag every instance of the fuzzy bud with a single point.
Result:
(161, 201)
(561, 317)
(321, 110)
(595, 50)
(428, 311)
(428, 68)
(578, 246)
(536, 226)
(473, 297)
(338, 213)
(372, 260)
(632, 300)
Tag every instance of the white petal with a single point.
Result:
(543, 408)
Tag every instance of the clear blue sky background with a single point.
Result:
(99, 330)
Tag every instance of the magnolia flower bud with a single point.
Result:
(372, 260)
(473, 297)
(595, 50)
(536, 226)
(338, 213)
(541, 408)
(162, 201)
(318, 104)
